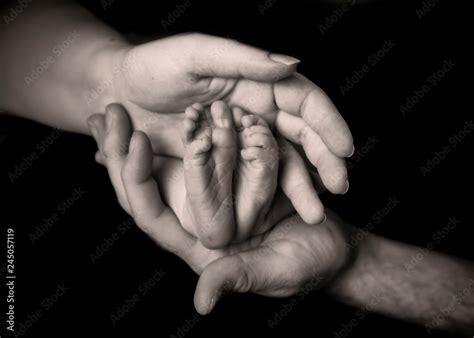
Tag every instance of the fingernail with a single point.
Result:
(347, 189)
(324, 219)
(352, 152)
(212, 302)
(285, 59)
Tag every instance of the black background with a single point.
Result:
(392, 168)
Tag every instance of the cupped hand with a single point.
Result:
(167, 75)
(276, 263)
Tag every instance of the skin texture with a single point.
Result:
(157, 80)
(212, 174)
(209, 164)
(257, 173)
(438, 292)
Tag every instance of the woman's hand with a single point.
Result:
(167, 75)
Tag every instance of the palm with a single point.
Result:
(163, 77)
(291, 251)
(289, 256)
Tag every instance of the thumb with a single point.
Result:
(220, 57)
(227, 274)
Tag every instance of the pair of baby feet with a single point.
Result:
(227, 151)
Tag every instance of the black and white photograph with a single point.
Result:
(266, 168)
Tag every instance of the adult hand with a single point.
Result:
(290, 256)
(167, 75)
(294, 178)
(276, 263)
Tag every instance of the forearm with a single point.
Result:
(409, 283)
(56, 64)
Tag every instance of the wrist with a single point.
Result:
(346, 286)
(104, 72)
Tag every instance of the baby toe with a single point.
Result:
(193, 112)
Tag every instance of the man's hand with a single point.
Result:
(167, 75)
(276, 263)
(289, 256)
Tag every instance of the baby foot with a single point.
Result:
(256, 175)
(209, 161)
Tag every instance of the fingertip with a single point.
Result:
(352, 152)
(138, 164)
(342, 147)
(115, 109)
(284, 59)
(134, 140)
(313, 215)
(142, 142)
(283, 66)
(336, 181)
(308, 205)
(203, 303)
(347, 188)
(98, 158)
